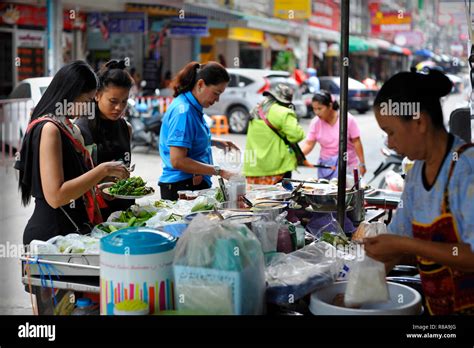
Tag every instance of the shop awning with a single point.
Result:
(219, 14)
(358, 44)
(321, 34)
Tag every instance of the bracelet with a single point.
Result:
(362, 165)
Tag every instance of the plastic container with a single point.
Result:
(237, 189)
(84, 306)
(403, 301)
(136, 264)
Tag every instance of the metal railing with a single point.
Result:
(14, 118)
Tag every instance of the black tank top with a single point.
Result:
(47, 222)
(110, 141)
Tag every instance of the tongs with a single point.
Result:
(222, 187)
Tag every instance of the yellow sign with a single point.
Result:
(291, 9)
(245, 34)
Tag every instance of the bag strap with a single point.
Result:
(264, 118)
(295, 147)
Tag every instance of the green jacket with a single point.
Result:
(266, 153)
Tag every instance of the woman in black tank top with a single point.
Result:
(54, 166)
(107, 135)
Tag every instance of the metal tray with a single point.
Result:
(62, 264)
(384, 198)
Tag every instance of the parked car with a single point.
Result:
(360, 97)
(244, 92)
(15, 114)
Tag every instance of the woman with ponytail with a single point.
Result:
(185, 138)
(107, 135)
(324, 129)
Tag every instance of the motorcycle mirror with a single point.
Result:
(157, 92)
(131, 102)
(143, 83)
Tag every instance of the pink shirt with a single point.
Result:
(328, 137)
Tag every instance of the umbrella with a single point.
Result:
(424, 53)
(424, 64)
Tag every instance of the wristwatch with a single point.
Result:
(217, 170)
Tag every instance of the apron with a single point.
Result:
(446, 290)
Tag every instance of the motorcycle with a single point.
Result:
(392, 168)
(146, 123)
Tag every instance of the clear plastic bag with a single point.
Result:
(366, 230)
(367, 283)
(99, 232)
(219, 269)
(292, 276)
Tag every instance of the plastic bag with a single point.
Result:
(37, 247)
(367, 283)
(366, 230)
(267, 234)
(292, 276)
(76, 244)
(219, 269)
(99, 230)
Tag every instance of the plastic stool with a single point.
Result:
(220, 125)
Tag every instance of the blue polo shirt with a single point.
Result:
(184, 126)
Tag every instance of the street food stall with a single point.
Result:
(295, 236)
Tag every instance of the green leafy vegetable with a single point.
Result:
(134, 186)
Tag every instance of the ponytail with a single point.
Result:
(114, 73)
(212, 73)
(325, 98)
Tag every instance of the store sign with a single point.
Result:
(32, 16)
(389, 22)
(326, 14)
(153, 10)
(409, 38)
(245, 34)
(451, 13)
(291, 9)
(189, 26)
(29, 38)
(118, 22)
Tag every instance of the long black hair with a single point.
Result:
(425, 89)
(212, 73)
(70, 81)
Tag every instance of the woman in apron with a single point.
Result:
(435, 220)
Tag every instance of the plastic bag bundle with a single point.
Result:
(292, 276)
(75, 244)
(219, 269)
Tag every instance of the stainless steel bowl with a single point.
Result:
(318, 201)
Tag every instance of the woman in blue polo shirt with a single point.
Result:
(185, 138)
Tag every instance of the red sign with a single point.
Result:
(33, 16)
(390, 22)
(326, 14)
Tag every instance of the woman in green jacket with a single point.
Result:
(267, 158)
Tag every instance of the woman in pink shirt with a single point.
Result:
(324, 129)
